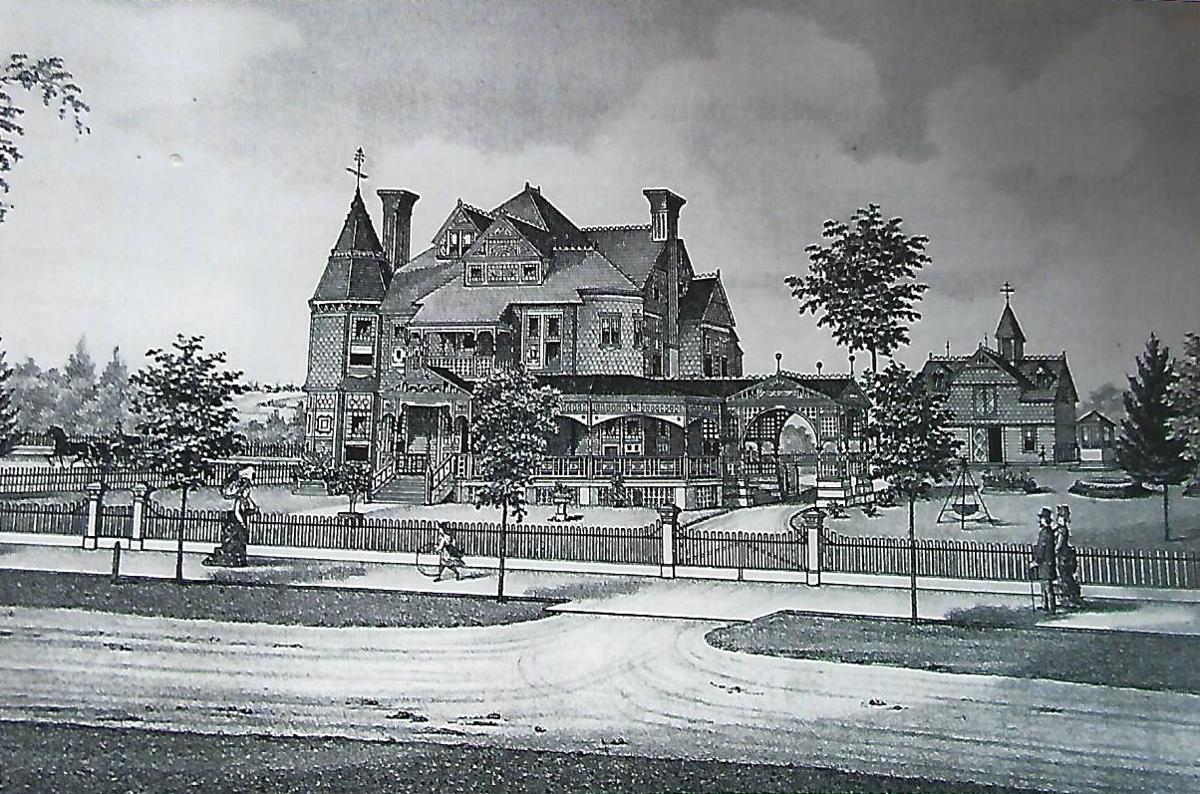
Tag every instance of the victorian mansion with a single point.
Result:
(643, 348)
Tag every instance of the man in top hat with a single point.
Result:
(1043, 558)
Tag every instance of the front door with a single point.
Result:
(995, 445)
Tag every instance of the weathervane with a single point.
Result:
(359, 176)
(1007, 289)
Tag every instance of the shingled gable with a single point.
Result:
(463, 214)
(530, 241)
(357, 269)
(706, 299)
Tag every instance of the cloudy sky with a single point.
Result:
(1052, 144)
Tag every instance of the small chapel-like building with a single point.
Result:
(1009, 406)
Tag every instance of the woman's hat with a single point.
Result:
(1045, 513)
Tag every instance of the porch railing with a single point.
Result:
(439, 480)
(595, 467)
(464, 366)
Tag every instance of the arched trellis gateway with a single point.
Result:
(779, 432)
(826, 410)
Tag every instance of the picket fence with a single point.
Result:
(1006, 562)
(45, 480)
(44, 519)
(563, 542)
(765, 551)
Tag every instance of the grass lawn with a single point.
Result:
(71, 759)
(1126, 523)
(977, 642)
(301, 606)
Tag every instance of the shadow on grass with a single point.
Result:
(1025, 617)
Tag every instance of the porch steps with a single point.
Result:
(408, 489)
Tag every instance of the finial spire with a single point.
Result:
(359, 176)
(778, 361)
(1008, 290)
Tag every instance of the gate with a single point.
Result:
(742, 550)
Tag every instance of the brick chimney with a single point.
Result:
(664, 213)
(397, 225)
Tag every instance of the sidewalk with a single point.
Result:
(641, 596)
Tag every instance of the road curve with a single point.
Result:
(574, 682)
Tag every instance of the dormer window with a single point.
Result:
(456, 242)
(474, 272)
(529, 271)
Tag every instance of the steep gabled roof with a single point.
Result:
(1058, 385)
(629, 248)
(695, 301)
(531, 207)
(357, 269)
(699, 298)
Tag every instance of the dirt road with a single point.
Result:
(621, 685)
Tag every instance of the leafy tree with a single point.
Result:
(912, 446)
(77, 392)
(350, 478)
(1147, 449)
(862, 282)
(45, 76)
(1185, 398)
(184, 402)
(513, 423)
(35, 395)
(8, 411)
(110, 410)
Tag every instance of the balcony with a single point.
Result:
(470, 367)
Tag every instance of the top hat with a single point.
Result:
(1045, 513)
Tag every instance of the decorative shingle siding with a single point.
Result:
(326, 350)
(596, 359)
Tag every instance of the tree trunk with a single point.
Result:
(874, 361)
(1166, 515)
(912, 555)
(503, 546)
(179, 537)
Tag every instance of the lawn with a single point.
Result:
(302, 606)
(1127, 523)
(71, 759)
(984, 642)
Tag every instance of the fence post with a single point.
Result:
(141, 496)
(669, 516)
(812, 527)
(91, 533)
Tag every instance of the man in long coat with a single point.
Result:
(1044, 558)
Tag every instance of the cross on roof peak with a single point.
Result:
(1008, 290)
(359, 176)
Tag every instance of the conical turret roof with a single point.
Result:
(357, 268)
